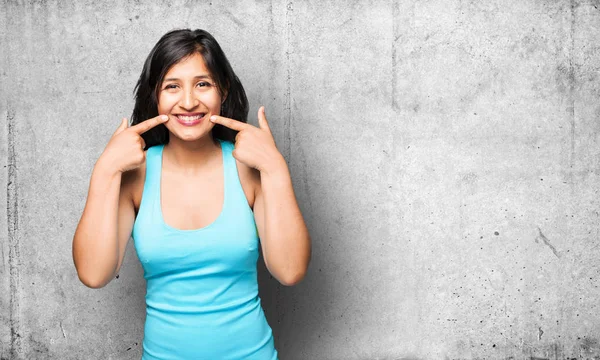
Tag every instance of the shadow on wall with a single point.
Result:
(269, 289)
(586, 347)
(301, 316)
(126, 303)
(291, 311)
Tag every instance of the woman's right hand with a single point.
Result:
(107, 220)
(125, 150)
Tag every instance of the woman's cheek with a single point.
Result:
(210, 99)
(212, 104)
(166, 102)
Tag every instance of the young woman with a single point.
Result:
(196, 187)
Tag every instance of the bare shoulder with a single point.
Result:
(132, 184)
(250, 180)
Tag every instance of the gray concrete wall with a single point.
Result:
(445, 155)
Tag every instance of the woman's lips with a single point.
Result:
(189, 119)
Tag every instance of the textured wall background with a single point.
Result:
(445, 155)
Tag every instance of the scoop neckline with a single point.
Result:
(160, 211)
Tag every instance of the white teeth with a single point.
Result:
(190, 118)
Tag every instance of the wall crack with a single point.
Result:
(12, 215)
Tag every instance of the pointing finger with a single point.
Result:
(262, 119)
(149, 124)
(230, 123)
(121, 127)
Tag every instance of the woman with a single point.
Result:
(195, 204)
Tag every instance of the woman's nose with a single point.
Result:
(189, 101)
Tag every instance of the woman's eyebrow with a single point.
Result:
(203, 76)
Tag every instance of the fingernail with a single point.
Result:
(213, 118)
(164, 117)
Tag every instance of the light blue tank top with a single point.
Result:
(202, 292)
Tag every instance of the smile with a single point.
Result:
(189, 119)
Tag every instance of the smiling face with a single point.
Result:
(189, 95)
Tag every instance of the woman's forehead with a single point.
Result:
(190, 67)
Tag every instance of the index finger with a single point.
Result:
(149, 124)
(230, 123)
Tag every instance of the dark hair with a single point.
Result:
(173, 47)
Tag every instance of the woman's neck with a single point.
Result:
(190, 156)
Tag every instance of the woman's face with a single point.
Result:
(189, 95)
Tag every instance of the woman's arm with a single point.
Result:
(285, 240)
(105, 226)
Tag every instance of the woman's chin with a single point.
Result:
(189, 136)
(192, 133)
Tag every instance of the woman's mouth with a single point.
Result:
(189, 119)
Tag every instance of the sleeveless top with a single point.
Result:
(202, 293)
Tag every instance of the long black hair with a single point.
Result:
(173, 47)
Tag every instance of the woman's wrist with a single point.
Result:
(277, 167)
(106, 169)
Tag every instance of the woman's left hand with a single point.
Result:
(254, 146)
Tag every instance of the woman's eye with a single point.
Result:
(203, 84)
(171, 86)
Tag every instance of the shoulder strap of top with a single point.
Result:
(233, 185)
(153, 170)
(227, 149)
